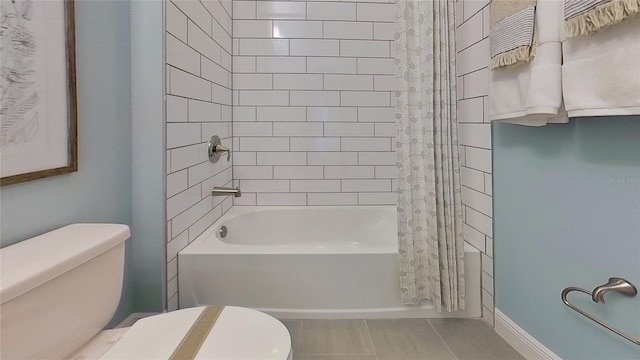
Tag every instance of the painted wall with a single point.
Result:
(100, 191)
(198, 105)
(472, 47)
(567, 213)
(313, 115)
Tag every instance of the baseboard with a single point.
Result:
(131, 319)
(520, 340)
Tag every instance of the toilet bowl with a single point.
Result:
(58, 290)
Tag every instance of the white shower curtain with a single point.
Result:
(430, 206)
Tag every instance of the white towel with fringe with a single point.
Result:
(531, 94)
(601, 71)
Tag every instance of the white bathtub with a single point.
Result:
(308, 262)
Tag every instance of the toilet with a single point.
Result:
(60, 289)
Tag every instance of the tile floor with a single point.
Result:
(397, 339)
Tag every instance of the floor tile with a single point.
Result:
(400, 339)
(473, 339)
(335, 337)
(295, 330)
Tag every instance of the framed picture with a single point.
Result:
(38, 117)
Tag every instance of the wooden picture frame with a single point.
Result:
(39, 124)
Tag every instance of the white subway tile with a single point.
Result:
(332, 113)
(244, 64)
(182, 56)
(489, 246)
(470, 110)
(297, 172)
(245, 200)
(220, 94)
(315, 186)
(252, 28)
(479, 221)
(221, 36)
(332, 199)
(204, 222)
(227, 5)
(331, 11)
(365, 98)
(298, 81)
(486, 21)
(176, 109)
(264, 97)
(244, 113)
(379, 198)
(281, 10)
(377, 158)
(348, 172)
(181, 134)
(244, 9)
(282, 158)
(184, 157)
(252, 172)
(333, 158)
(182, 222)
(281, 199)
(176, 22)
(348, 129)
(297, 29)
(487, 283)
(187, 85)
(477, 200)
(331, 65)
(488, 184)
(365, 48)
(281, 64)
(207, 170)
(376, 114)
(384, 31)
(315, 98)
(459, 13)
(473, 58)
(469, 32)
(264, 144)
(244, 158)
(315, 144)
(476, 83)
(476, 135)
(487, 264)
(196, 13)
(315, 47)
(472, 178)
(479, 159)
(252, 81)
(297, 129)
(176, 182)
(385, 83)
(368, 185)
(386, 129)
(376, 66)
(178, 243)
(261, 186)
(182, 201)
(472, 7)
(376, 12)
(474, 237)
(386, 172)
(275, 113)
(252, 128)
(263, 47)
(348, 82)
(202, 43)
(348, 30)
(366, 144)
(215, 73)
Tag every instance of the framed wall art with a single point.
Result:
(38, 117)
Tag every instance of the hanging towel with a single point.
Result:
(512, 31)
(531, 94)
(584, 17)
(601, 72)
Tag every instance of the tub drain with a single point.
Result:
(223, 231)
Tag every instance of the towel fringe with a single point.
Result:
(516, 56)
(602, 17)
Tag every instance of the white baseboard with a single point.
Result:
(131, 319)
(520, 340)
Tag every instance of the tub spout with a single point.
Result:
(615, 284)
(222, 191)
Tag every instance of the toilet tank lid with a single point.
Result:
(35, 261)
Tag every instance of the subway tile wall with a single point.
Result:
(472, 46)
(198, 105)
(314, 119)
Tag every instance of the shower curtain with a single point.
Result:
(429, 206)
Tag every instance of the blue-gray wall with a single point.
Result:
(567, 213)
(101, 190)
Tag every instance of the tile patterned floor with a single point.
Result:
(397, 339)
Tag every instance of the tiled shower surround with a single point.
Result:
(313, 116)
(313, 112)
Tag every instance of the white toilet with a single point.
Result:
(58, 290)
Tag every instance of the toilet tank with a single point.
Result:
(59, 289)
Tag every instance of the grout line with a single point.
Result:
(373, 347)
(442, 339)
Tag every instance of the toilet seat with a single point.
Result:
(238, 334)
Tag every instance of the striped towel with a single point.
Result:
(512, 32)
(583, 17)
